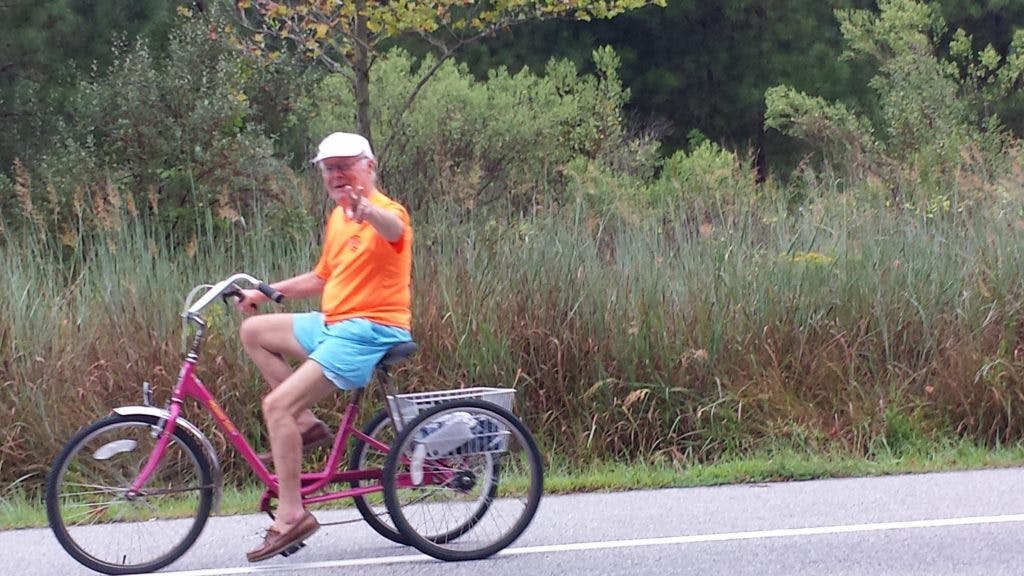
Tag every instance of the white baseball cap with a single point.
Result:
(343, 145)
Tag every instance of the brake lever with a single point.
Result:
(235, 293)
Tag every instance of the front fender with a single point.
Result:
(191, 430)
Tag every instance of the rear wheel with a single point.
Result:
(463, 497)
(372, 507)
(366, 456)
(109, 530)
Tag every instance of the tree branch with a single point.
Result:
(337, 68)
(448, 52)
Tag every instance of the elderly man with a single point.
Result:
(363, 279)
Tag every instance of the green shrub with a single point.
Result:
(175, 134)
(845, 140)
(707, 185)
(474, 143)
(935, 145)
(706, 179)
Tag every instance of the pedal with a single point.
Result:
(292, 549)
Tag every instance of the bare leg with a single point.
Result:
(269, 340)
(306, 386)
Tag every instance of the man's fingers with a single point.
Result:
(358, 205)
(246, 304)
(358, 210)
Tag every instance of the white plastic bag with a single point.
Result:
(445, 434)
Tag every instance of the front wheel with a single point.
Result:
(105, 528)
(463, 480)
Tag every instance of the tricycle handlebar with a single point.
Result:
(226, 286)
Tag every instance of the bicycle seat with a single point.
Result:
(397, 354)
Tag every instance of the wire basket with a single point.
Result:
(405, 407)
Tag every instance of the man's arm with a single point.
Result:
(388, 224)
(301, 286)
(295, 288)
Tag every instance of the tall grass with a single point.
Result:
(829, 329)
(91, 315)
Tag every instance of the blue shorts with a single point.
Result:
(347, 350)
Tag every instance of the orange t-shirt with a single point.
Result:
(366, 276)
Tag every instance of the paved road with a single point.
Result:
(933, 524)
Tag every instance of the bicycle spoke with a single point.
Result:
(91, 514)
(93, 504)
(165, 491)
(100, 487)
(109, 490)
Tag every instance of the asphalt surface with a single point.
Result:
(935, 524)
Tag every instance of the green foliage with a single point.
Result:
(679, 313)
(473, 143)
(704, 186)
(594, 127)
(43, 45)
(844, 138)
(116, 325)
(349, 37)
(934, 124)
(706, 177)
(988, 78)
(921, 107)
(834, 329)
(333, 31)
(703, 64)
(176, 135)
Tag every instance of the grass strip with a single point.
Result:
(20, 510)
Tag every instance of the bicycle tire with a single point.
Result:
(120, 446)
(373, 512)
(460, 475)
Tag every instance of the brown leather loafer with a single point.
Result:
(275, 542)
(318, 435)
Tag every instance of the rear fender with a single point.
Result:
(191, 430)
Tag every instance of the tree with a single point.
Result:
(347, 37)
(703, 65)
(935, 141)
(45, 46)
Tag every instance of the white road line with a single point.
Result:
(583, 546)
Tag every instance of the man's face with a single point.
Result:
(347, 178)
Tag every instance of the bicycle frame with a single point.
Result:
(190, 386)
